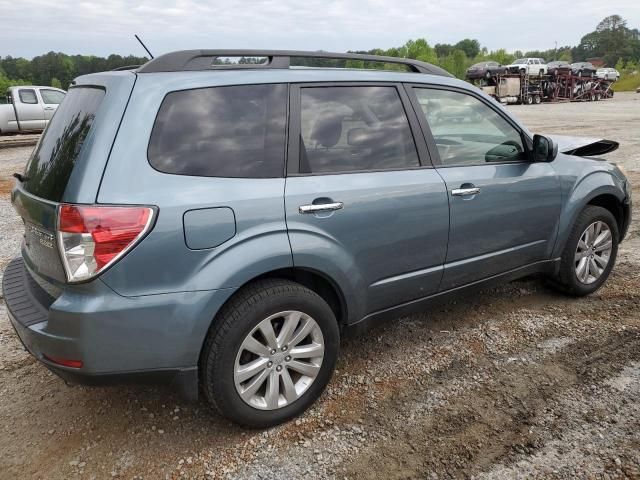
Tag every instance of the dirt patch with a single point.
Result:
(5, 187)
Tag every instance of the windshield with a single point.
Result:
(520, 61)
(51, 164)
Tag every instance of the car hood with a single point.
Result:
(584, 146)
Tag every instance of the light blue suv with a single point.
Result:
(220, 224)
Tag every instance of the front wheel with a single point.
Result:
(270, 353)
(590, 252)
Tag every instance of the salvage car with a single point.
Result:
(583, 69)
(29, 108)
(558, 67)
(221, 227)
(608, 74)
(485, 70)
(529, 66)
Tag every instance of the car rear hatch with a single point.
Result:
(66, 167)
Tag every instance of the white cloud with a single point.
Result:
(32, 27)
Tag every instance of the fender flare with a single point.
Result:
(586, 189)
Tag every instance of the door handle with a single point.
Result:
(49, 108)
(461, 192)
(321, 207)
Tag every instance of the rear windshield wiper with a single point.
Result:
(21, 178)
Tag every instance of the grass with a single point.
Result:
(627, 83)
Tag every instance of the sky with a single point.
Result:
(33, 27)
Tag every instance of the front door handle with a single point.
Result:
(461, 192)
(321, 207)
(49, 108)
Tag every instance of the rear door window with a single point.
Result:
(236, 131)
(51, 164)
(359, 128)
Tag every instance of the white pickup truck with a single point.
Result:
(29, 108)
(530, 66)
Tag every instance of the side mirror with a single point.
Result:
(544, 149)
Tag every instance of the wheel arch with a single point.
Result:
(606, 195)
(316, 281)
(610, 202)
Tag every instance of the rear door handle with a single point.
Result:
(49, 108)
(461, 192)
(321, 207)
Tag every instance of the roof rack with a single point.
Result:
(125, 67)
(195, 60)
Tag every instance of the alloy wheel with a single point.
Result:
(279, 360)
(593, 252)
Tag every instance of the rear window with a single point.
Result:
(51, 164)
(236, 131)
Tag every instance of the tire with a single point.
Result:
(522, 71)
(537, 100)
(487, 75)
(529, 100)
(567, 279)
(223, 352)
(541, 73)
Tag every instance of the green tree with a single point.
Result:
(56, 83)
(471, 48)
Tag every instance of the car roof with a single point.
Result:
(175, 80)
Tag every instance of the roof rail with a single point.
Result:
(194, 60)
(125, 67)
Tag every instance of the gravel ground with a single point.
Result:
(515, 382)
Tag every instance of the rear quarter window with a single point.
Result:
(235, 131)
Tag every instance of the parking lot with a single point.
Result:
(514, 381)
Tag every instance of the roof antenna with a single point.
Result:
(143, 45)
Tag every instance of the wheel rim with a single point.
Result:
(279, 360)
(593, 252)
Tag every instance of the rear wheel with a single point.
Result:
(590, 252)
(529, 100)
(537, 99)
(270, 353)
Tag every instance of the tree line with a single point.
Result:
(612, 41)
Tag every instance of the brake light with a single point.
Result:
(93, 237)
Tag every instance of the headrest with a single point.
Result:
(328, 129)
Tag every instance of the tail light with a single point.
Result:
(93, 237)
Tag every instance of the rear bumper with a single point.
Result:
(149, 339)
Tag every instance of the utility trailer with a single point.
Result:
(528, 89)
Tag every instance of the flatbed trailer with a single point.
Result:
(529, 89)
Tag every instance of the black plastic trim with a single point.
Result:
(195, 60)
(26, 300)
